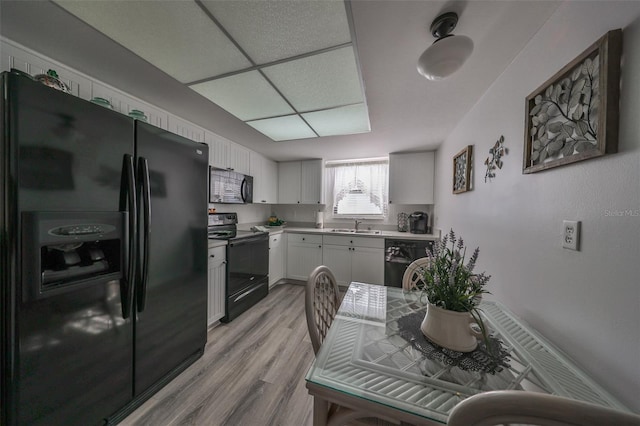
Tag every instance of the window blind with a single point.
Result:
(359, 188)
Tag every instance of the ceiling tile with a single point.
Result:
(321, 81)
(283, 128)
(248, 96)
(339, 121)
(175, 36)
(273, 30)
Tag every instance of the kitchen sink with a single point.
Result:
(359, 231)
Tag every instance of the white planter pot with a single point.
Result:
(450, 329)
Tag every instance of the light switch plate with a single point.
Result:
(571, 234)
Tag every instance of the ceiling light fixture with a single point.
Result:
(447, 54)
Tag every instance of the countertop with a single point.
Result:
(382, 234)
(217, 243)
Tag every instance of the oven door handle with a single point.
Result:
(249, 240)
(246, 293)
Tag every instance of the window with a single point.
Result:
(358, 187)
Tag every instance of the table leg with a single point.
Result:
(320, 411)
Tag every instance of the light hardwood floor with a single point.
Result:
(252, 372)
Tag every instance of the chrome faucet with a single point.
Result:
(358, 222)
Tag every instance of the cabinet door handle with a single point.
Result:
(303, 239)
(212, 255)
(319, 246)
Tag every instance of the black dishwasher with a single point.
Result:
(398, 255)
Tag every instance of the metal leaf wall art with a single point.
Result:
(494, 160)
(573, 116)
(565, 117)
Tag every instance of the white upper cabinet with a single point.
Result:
(265, 179)
(411, 178)
(185, 129)
(124, 104)
(311, 182)
(238, 158)
(270, 175)
(300, 182)
(289, 182)
(218, 150)
(225, 154)
(13, 57)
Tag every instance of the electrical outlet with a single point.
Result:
(571, 234)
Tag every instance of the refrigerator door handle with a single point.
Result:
(128, 292)
(146, 211)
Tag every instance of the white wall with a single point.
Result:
(586, 302)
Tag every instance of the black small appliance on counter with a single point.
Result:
(418, 223)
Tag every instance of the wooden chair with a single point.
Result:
(533, 408)
(322, 300)
(413, 274)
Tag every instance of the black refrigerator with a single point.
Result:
(103, 257)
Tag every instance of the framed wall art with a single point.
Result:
(573, 116)
(462, 170)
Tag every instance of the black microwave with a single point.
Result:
(229, 187)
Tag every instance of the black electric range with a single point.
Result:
(247, 263)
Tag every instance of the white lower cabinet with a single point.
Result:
(354, 259)
(276, 258)
(217, 280)
(304, 253)
(367, 265)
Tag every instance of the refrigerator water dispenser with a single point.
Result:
(62, 250)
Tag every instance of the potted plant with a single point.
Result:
(453, 291)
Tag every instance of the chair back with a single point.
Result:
(413, 274)
(534, 408)
(322, 300)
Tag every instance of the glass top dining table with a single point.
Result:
(369, 363)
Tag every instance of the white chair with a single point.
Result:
(322, 300)
(533, 408)
(413, 274)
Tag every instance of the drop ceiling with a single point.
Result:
(406, 112)
(287, 69)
